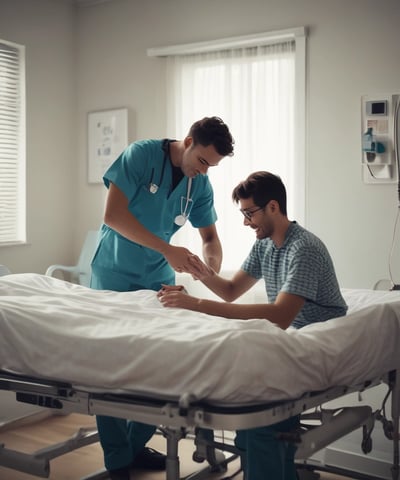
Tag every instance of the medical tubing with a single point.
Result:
(392, 246)
(396, 145)
(397, 160)
(370, 171)
(165, 149)
(189, 187)
(382, 410)
(397, 157)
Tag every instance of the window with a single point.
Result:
(256, 85)
(12, 143)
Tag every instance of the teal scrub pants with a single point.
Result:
(263, 456)
(121, 440)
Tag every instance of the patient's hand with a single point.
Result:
(170, 288)
(199, 269)
(177, 299)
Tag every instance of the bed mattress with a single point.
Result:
(128, 342)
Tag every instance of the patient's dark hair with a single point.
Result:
(262, 187)
(212, 131)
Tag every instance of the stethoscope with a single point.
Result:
(180, 219)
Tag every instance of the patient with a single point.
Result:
(301, 287)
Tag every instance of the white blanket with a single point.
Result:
(128, 341)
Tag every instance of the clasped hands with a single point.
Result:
(176, 296)
(183, 260)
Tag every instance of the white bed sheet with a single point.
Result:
(128, 342)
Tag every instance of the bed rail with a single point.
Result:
(175, 421)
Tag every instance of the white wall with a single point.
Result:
(47, 29)
(352, 50)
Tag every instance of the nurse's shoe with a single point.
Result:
(150, 459)
(119, 474)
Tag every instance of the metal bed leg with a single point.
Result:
(216, 459)
(173, 435)
(205, 450)
(333, 426)
(38, 463)
(24, 462)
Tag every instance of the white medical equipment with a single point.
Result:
(61, 347)
(380, 138)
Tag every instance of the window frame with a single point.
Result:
(19, 146)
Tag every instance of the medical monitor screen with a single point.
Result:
(376, 108)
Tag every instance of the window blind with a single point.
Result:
(12, 144)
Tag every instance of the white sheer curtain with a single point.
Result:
(253, 90)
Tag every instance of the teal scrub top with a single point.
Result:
(122, 265)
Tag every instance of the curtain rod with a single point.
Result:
(228, 43)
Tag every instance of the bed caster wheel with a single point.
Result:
(197, 457)
(388, 429)
(366, 445)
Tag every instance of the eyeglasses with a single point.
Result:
(248, 214)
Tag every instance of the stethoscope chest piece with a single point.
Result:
(153, 188)
(180, 220)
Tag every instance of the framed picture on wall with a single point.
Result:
(107, 138)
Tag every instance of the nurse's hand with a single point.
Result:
(178, 258)
(183, 260)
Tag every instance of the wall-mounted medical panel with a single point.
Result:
(380, 138)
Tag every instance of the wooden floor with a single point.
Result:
(30, 437)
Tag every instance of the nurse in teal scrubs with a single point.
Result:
(154, 187)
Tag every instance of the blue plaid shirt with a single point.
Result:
(301, 266)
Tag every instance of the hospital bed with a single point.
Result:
(124, 355)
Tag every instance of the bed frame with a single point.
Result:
(186, 416)
(182, 416)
